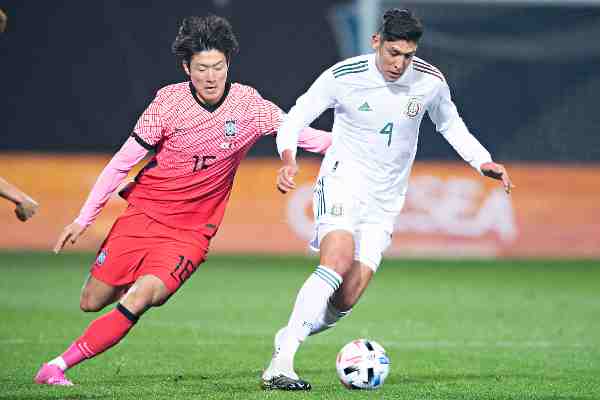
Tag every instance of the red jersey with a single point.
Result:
(198, 148)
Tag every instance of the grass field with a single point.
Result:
(453, 330)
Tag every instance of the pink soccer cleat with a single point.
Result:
(51, 375)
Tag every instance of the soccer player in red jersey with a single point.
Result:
(200, 130)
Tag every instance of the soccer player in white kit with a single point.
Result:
(379, 101)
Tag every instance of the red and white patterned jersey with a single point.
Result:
(198, 150)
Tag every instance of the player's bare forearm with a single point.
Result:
(288, 157)
(10, 192)
(498, 171)
(26, 207)
(286, 174)
(3, 21)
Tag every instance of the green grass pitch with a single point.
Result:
(453, 330)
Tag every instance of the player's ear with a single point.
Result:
(375, 41)
(186, 67)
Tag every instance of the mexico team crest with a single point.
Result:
(230, 128)
(337, 210)
(413, 107)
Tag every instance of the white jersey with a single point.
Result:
(376, 125)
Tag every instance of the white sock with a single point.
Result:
(329, 316)
(59, 362)
(312, 299)
(283, 361)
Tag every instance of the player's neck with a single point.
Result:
(210, 106)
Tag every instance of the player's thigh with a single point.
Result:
(123, 250)
(113, 269)
(173, 263)
(96, 294)
(353, 286)
(334, 202)
(335, 211)
(162, 273)
(337, 249)
(373, 236)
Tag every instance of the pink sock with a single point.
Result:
(72, 356)
(102, 334)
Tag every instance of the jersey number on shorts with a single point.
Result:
(183, 269)
(388, 130)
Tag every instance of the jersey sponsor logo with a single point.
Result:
(413, 107)
(101, 257)
(365, 107)
(230, 128)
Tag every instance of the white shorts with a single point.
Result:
(336, 208)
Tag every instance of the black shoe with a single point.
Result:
(282, 382)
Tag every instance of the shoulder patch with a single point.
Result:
(350, 68)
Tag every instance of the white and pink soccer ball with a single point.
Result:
(362, 364)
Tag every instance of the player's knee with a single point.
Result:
(160, 299)
(88, 303)
(137, 302)
(339, 259)
(337, 252)
(340, 263)
(146, 293)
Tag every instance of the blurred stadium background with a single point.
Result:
(525, 75)
(76, 75)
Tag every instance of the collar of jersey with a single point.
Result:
(210, 107)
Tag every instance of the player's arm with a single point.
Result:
(310, 139)
(319, 97)
(147, 133)
(108, 181)
(448, 122)
(3, 21)
(25, 205)
(314, 140)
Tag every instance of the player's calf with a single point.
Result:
(354, 285)
(102, 334)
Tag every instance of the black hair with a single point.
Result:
(400, 25)
(198, 34)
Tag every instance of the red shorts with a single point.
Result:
(138, 245)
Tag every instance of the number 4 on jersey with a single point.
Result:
(387, 130)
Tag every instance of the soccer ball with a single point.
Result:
(362, 364)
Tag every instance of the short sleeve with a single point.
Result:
(149, 129)
(270, 117)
